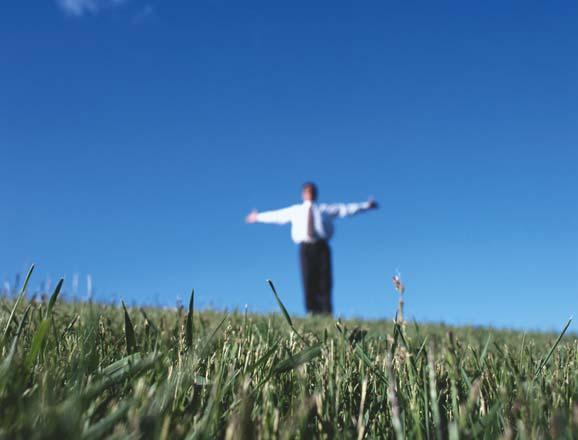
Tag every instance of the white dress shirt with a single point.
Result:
(323, 216)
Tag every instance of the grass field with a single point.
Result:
(79, 370)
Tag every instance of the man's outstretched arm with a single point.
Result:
(279, 216)
(348, 209)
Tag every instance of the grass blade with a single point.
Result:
(214, 332)
(485, 349)
(103, 426)
(189, 325)
(147, 319)
(17, 302)
(281, 306)
(300, 358)
(5, 365)
(131, 346)
(547, 358)
(363, 357)
(284, 310)
(54, 297)
(128, 367)
(37, 342)
(261, 361)
(118, 367)
(69, 326)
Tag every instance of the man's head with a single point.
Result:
(309, 191)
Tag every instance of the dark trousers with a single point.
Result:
(317, 280)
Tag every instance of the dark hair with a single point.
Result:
(313, 188)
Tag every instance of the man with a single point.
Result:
(311, 229)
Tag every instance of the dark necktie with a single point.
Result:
(311, 234)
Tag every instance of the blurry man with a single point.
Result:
(312, 228)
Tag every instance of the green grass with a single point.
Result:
(79, 370)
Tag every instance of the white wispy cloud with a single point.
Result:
(146, 12)
(81, 7)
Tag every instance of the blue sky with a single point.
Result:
(136, 135)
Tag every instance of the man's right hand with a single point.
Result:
(252, 217)
(372, 203)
